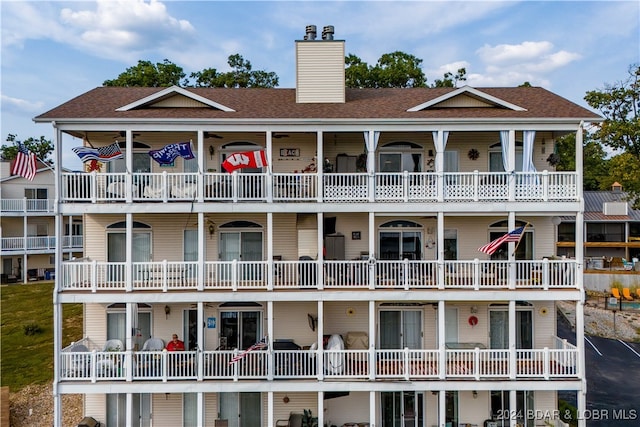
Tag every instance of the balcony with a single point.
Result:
(40, 243)
(165, 276)
(374, 364)
(25, 205)
(334, 187)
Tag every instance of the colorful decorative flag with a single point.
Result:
(24, 163)
(512, 236)
(168, 153)
(102, 154)
(248, 159)
(260, 345)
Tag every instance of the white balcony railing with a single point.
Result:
(39, 243)
(26, 205)
(407, 187)
(357, 274)
(403, 364)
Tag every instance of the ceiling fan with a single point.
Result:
(279, 135)
(211, 135)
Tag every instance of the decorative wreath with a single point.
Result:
(473, 320)
(473, 154)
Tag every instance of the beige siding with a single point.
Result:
(545, 402)
(297, 403)
(290, 322)
(167, 409)
(320, 71)
(95, 323)
(341, 317)
(14, 188)
(95, 405)
(347, 409)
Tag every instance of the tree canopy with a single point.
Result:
(619, 103)
(41, 147)
(166, 73)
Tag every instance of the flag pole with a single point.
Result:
(520, 240)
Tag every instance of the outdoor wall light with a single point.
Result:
(167, 311)
(475, 394)
(211, 151)
(212, 229)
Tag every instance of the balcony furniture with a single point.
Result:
(626, 293)
(185, 191)
(79, 364)
(335, 356)
(153, 344)
(294, 420)
(152, 192)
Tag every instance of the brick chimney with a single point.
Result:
(320, 67)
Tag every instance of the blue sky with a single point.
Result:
(53, 51)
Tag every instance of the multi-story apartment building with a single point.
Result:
(27, 227)
(354, 251)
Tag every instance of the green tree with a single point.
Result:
(41, 147)
(594, 160)
(147, 74)
(396, 69)
(619, 103)
(625, 169)
(451, 80)
(241, 75)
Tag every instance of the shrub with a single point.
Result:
(31, 328)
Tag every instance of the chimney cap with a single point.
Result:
(310, 32)
(327, 32)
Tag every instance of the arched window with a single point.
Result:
(524, 249)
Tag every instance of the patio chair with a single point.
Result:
(79, 365)
(638, 292)
(294, 420)
(627, 294)
(616, 293)
(153, 344)
(113, 345)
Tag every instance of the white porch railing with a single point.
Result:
(404, 364)
(26, 205)
(46, 243)
(407, 187)
(356, 274)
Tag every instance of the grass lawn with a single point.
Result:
(28, 358)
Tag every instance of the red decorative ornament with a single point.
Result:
(473, 320)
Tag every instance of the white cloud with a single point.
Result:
(20, 105)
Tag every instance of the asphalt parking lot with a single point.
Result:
(613, 380)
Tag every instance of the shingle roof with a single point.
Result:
(102, 102)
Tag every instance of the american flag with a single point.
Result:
(24, 163)
(512, 236)
(260, 345)
(102, 154)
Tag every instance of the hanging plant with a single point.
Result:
(553, 159)
(473, 154)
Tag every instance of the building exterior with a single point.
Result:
(612, 230)
(27, 227)
(353, 253)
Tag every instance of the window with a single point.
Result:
(190, 410)
(499, 326)
(524, 411)
(400, 329)
(495, 158)
(450, 244)
(117, 410)
(400, 157)
(524, 249)
(35, 193)
(402, 242)
(605, 232)
(240, 329)
(241, 409)
(567, 232)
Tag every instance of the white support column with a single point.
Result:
(441, 341)
(270, 268)
(511, 255)
(319, 165)
(372, 409)
(269, 409)
(442, 408)
(438, 142)
(270, 316)
(57, 306)
(513, 408)
(128, 269)
(372, 339)
(57, 343)
(200, 417)
(512, 164)
(129, 406)
(370, 145)
(372, 251)
(512, 341)
(320, 329)
(129, 163)
(202, 253)
(25, 246)
(269, 154)
(440, 253)
(128, 325)
(320, 263)
(582, 393)
(200, 158)
(321, 408)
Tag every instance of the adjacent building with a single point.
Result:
(336, 269)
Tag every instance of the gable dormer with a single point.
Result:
(174, 97)
(466, 97)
